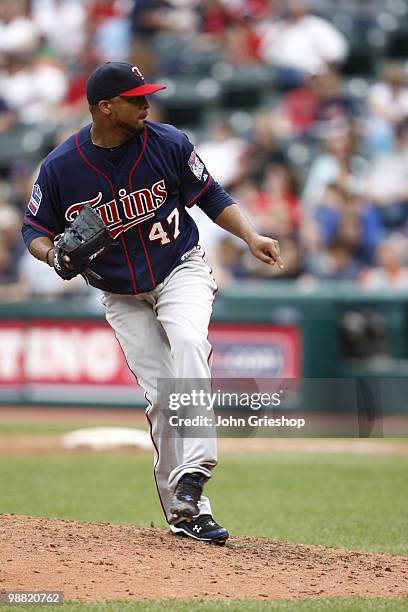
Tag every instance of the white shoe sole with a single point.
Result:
(177, 530)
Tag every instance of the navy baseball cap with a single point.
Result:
(117, 79)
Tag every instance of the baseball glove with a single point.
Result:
(85, 239)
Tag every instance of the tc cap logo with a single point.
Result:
(136, 71)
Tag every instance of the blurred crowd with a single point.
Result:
(315, 150)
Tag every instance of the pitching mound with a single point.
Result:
(95, 562)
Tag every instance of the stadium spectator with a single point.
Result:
(74, 108)
(296, 115)
(318, 105)
(391, 270)
(278, 206)
(387, 105)
(241, 43)
(228, 261)
(62, 23)
(33, 87)
(12, 287)
(8, 118)
(225, 154)
(159, 31)
(18, 31)
(109, 26)
(339, 163)
(334, 106)
(388, 99)
(360, 227)
(311, 139)
(386, 182)
(161, 16)
(336, 263)
(340, 215)
(247, 192)
(19, 185)
(329, 212)
(265, 146)
(301, 43)
(215, 18)
(39, 281)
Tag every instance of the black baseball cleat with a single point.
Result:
(203, 528)
(185, 501)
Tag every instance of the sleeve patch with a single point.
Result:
(35, 199)
(196, 166)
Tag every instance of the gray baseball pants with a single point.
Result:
(163, 334)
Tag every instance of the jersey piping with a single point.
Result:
(41, 227)
(138, 227)
(208, 183)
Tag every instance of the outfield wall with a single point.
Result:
(64, 352)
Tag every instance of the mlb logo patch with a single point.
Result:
(35, 199)
(196, 165)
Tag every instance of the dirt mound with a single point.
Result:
(95, 562)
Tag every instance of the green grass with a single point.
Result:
(354, 604)
(35, 428)
(13, 428)
(348, 501)
(338, 500)
(117, 488)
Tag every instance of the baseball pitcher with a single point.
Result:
(141, 249)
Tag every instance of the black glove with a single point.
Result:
(85, 239)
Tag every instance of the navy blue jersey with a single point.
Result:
(142, 199)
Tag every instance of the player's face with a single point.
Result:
(130, 113)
